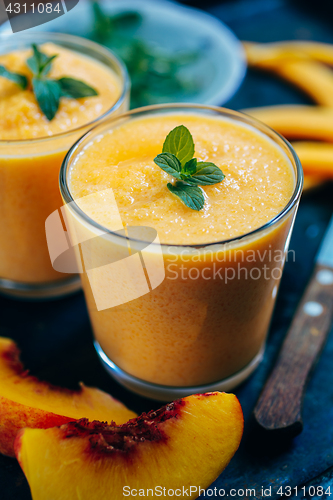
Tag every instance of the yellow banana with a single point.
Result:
(261, 54)
(297, 67)
(297, 122)
(316, 157)
(314, 78)
(303, 64)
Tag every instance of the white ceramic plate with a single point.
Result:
(175, 28)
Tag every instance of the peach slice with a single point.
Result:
(186, 443)
(25, 401)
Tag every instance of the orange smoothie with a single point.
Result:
(32, 149)
(209, 318)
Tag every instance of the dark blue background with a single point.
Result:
(56, 337)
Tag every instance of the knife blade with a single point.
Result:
(279, 408)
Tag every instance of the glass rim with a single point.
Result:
(68, 198)
(83, 42)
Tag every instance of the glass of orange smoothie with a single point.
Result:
(32, 148)
(198, 321)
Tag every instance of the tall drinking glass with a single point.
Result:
(201, 322)
(29, 173)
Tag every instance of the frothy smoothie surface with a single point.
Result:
(20, 115)
(259, 179)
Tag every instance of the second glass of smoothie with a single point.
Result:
(32, 149)
(203, 327)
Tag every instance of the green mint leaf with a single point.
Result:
(34, 61)
(70, 87)
(190, 167)
(111, 28)
(169, 163)
(20, 80)
(177, 160)
(180, 143)
(39, 63)
(206, 174)
(102, 23)
(126, 20)
(191, 196)
(47, 65)
(47, 93)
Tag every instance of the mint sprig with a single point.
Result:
(48, 91)
(177, 160)
(20, 80)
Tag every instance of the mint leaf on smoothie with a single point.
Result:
(71, 87)
(169, 163)
(190, 167)
(20, 80)
(177, 160)
(180, 143)
(192, 196)
(39, 63)
(206, 174)
(48, 91)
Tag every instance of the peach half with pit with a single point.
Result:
(185, 443)
(26, 401)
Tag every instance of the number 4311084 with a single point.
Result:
(34, 7)
(308, 491)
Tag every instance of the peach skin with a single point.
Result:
(26, 401)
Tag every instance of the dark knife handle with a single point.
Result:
(280, 404)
